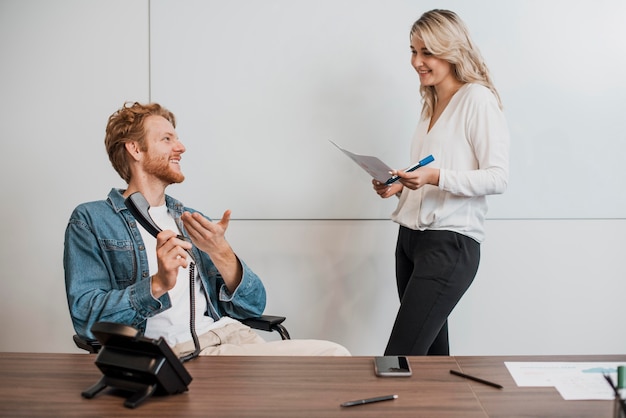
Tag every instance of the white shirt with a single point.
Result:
(173, 324)
(470, 144)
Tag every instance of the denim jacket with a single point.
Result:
(107, 277)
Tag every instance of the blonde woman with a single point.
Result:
(442, 206)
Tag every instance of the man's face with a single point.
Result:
(164, 150)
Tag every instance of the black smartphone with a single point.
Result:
(392, 366)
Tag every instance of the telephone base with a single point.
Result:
(139, 391)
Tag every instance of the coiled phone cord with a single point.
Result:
(192, 313)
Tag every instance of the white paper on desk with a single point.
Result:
(573, 380)
(375, 167)
(587, 387)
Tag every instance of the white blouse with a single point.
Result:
(470, 144)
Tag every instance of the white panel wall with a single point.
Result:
(546, 287)
(65, 66)
(543, 287)
(265, 84)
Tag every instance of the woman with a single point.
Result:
(442, 206)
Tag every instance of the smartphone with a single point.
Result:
(392, 366)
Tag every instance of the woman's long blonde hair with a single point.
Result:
(446, 36)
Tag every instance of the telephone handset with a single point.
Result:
(139, 207)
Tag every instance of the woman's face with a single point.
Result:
(432, 71)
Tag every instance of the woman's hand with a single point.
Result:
(418, 178)
(384, 190)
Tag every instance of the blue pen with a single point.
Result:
(422, 163)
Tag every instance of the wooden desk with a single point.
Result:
(33, 385)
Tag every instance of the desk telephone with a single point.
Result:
(135, 364)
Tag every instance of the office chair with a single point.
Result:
(267, 323)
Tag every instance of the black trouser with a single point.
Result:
(433, 271)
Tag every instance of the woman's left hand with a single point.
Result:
(383, 190)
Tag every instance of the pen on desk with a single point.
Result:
(476, 379)
(370, 400)
(622, 403)
(422, 163)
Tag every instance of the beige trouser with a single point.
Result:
(240, 340)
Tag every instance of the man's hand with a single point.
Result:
(209, 237)
(171, 254)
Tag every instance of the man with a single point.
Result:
(116, 271)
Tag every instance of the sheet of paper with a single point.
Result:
(372, 165)
(585, 387)
(573, 380)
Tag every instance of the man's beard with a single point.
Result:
(160, 168)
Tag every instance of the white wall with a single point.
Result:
(66, 66)
(545, 286)
(266, 84)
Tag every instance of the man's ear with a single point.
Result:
(133, 150)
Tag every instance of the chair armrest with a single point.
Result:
(268, 323)
(263, 322)
(92, 346)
